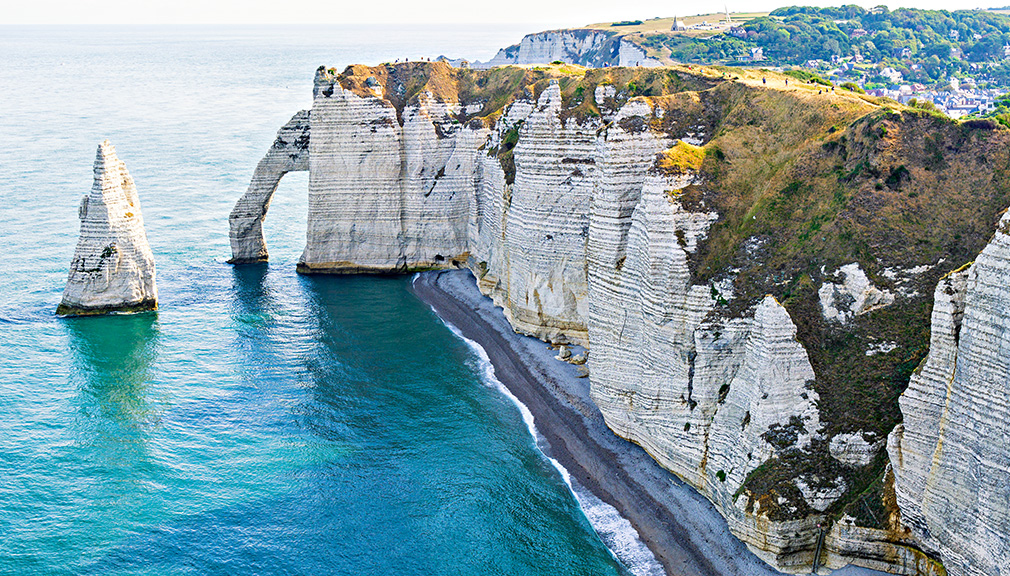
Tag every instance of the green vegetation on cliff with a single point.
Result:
(924, 45)
(805, 183)
(682, 158)
(496, 88)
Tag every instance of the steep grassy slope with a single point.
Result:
(805, 183)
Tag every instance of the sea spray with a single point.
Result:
(614, 530)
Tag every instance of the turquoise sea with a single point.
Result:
(260, 422)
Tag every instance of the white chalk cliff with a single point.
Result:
(113, 267)
(289, 153)
(585, 46)
(951, 456)
(572, 226)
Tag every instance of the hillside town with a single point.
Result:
(959, 61)
(957, 97)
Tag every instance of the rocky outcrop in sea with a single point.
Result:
(289, 153)
(113, 267)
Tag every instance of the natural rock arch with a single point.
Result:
(289, 153)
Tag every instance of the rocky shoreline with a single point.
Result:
(709, 237)
(684, 531)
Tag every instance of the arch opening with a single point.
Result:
(289, 153)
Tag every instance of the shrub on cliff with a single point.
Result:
(681, 158)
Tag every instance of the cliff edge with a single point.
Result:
(750, 259)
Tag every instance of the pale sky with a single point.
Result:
(541, 12)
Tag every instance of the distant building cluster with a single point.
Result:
(960, 98)
(725, 25)
(956, 102)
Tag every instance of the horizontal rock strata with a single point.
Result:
(289, 153)
(588, 47)
(951, 455)
(629, 211)
(113, 267)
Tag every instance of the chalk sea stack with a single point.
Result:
(113, 267)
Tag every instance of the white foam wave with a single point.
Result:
(614, 530)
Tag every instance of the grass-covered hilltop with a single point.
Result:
(846, 208)
(957, 60)
(925, 46)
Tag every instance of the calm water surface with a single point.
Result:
(261, 422)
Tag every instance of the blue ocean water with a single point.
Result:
(260, 422)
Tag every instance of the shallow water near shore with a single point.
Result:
(617, 533)
(261, 422)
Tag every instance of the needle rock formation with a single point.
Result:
(113, 268)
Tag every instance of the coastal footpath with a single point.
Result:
(751, 262)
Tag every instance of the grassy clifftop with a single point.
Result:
(495, 89)
(805, 183)
(805, 180)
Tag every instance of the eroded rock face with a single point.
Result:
(853, 294)
(546, 225)
(951, 456)
(595, 48)
(630, 54)
(573, 225)
(113, 267)
(289, 153)
(699, 392)
(876, 550)
(384, 196)
(579, 240)
(436, 198)
(854, 449)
